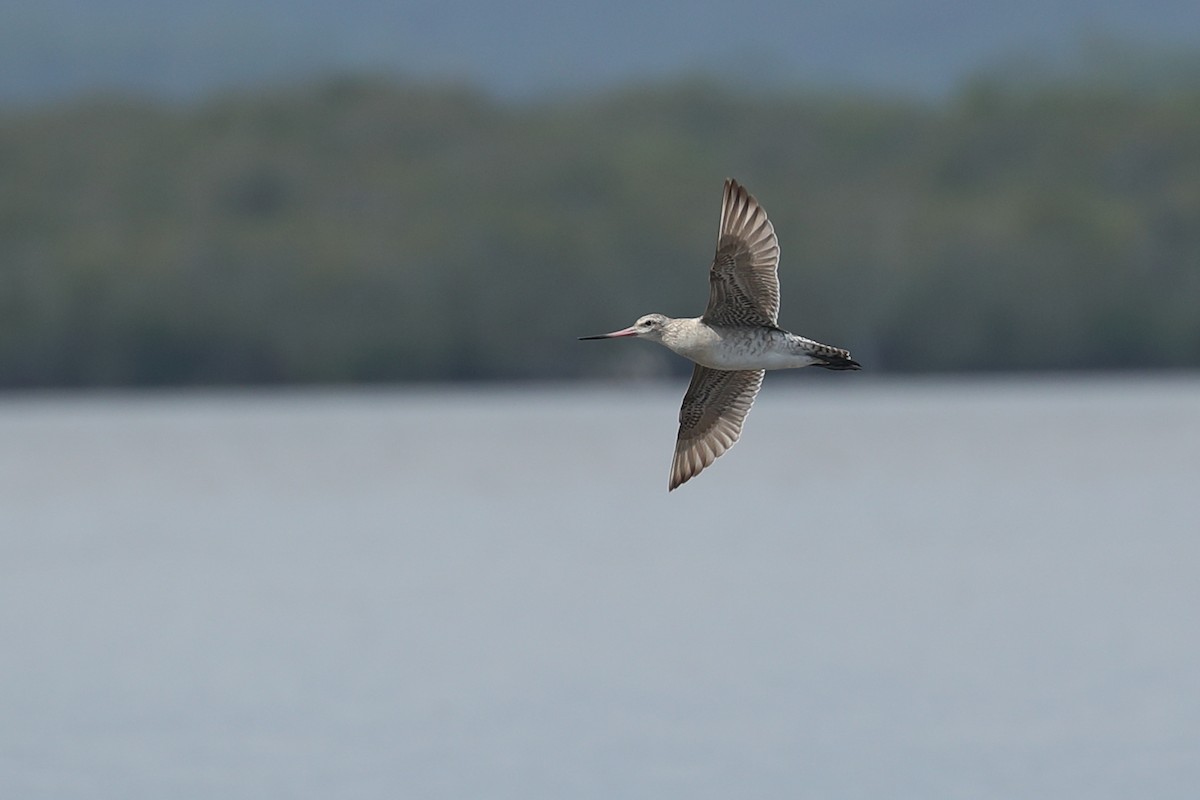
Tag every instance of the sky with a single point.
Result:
(526, 48)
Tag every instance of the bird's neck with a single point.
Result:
(685, 335)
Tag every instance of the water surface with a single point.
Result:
(918, 590)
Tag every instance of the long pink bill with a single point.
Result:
(630, 331)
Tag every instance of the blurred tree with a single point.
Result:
(360, 230)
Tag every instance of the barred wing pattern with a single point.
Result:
(710, 419)
(743, 281)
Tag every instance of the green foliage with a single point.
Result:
(361, 230)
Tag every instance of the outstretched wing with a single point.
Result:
(743, 281)
(710, 419)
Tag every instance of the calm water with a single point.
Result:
(924, 590)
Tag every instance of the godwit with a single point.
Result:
(736, 339)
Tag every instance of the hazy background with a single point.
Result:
(247, 193)
(229, 567)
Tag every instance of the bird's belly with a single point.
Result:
(750, 358)
(739, 349)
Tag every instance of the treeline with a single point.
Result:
(363, 230)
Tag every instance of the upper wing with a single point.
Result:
(710, 419)
(743, 282)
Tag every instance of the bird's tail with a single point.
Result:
(838, 362)
(829, 357)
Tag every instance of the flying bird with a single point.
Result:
(735, 340)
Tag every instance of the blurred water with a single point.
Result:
(918, 590)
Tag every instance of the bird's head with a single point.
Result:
(650, 326)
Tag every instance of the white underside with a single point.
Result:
(769, 360)
(735, 350)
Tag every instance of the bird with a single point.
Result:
(734, 341)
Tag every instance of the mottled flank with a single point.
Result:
(735, 340)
